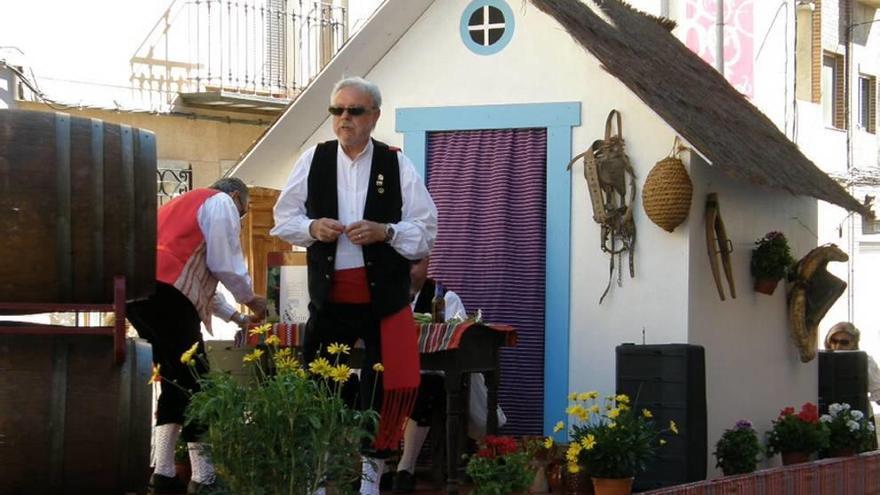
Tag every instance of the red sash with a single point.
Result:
(400, 357)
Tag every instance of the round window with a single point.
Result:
(487, 26)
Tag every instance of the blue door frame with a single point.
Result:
(558, 119)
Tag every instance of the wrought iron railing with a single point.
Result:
(269, 48)
(172, 182)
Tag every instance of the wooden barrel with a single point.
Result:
(72, 421)
(78, 203)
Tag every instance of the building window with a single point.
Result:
(868, 103)
(870, 226)
(487, 26)
(833, 99)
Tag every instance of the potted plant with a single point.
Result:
(849, 431)
(738, 449)
(771, 260)
(797, 436)
(610, 440)
(500, 467)
(288, 432)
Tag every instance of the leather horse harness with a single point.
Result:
(606, 168)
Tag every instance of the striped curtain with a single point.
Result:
(490, 191)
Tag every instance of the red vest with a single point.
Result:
(179, 234)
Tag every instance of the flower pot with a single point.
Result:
(795, 457)
(554, 477)
(766, 285)
(612, 486)
(842, 452)
(576, 483)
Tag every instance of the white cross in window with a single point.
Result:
(485, 27)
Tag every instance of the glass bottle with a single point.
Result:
(438, 304)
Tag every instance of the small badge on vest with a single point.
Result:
(380, 183)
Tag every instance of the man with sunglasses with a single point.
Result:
(197, 246)
(363, 213)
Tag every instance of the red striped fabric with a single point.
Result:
(490, 191)
(856, 475)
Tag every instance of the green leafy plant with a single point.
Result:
(801, 432)
(501, 466)
(288, 431)
(848, 429)
(738, 449)
(771, 257)
(609, 438)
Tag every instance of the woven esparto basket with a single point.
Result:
(667, 194)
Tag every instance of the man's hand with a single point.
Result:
(258, 306)
(243, 320)
(326, 229)
(365, 232)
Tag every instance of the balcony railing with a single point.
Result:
(238, 54)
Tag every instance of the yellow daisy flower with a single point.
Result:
(662, 442)
(614, 413)
(583, 396)
(336, 348)
(572, 396)
(378, 368)
(622, 398)
(273, 340)
(573, 468)
(340, 373)
(673, 427)
(287, 364)
(260, 330)
(593, 394)
(253, 357)
(188, 357)
(594, 409)
(646, 413)
(612, 425)
(320, 367)
(588, 442)
(285, 353)
(558, 427)
(548, 442)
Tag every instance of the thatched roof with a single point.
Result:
(694, 98)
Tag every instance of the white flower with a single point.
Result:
(852, 425)
(870, 426)
(835, 408)
(826, 418)
(856, 415)
(845, 406)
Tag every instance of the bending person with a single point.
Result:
(197, 246)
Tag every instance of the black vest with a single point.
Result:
(425, 297)
(387, 270)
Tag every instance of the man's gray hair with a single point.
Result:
(230, 185)
(361, 84)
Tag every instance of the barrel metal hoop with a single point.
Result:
(57, 413)
(127, 148)
(99, 285)
(64, 242)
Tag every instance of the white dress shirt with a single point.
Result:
(221, 226)
(413, 236)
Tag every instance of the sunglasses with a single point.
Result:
(353, 111)
(834, 340)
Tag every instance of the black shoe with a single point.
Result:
(404, 482)
(166, 485)
(386, 482)
(196, 488)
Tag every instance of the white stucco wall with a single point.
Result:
(752, 365)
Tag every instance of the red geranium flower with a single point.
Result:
(809, 413)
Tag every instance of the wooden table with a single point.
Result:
(457, 352)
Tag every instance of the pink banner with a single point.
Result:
(739, 40)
